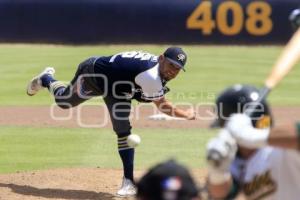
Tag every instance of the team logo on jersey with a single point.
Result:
(181, 57)
(260, 186)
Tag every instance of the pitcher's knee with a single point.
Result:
(123, 134)
(87, 63)
(122, 131)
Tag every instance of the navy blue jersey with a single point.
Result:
(125, 77)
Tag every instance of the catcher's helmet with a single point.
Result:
(236, 99)
(295, 18)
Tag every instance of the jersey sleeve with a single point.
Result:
(151, 85)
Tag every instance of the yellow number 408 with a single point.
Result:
(257, 23)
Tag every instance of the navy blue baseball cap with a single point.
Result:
(167, 181)
(176, 56)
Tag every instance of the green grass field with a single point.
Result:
(209, 70)
(30, 148)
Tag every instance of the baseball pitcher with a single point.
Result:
(120, 78)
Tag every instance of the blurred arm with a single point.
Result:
(240, 127)
(220, 153)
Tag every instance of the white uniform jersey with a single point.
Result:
(271, 173)
(151, 83)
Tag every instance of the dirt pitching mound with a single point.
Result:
(62, 184)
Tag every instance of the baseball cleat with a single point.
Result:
(36, 83)
(127, 189)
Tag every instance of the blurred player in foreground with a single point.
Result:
(260, 162)
(119, 79)
(167, 181)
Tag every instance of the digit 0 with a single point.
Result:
(237, 18)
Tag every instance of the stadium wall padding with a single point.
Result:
(149, 21)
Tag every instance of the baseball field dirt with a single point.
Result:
(61, 184)
(86, 183)
(91, 116)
